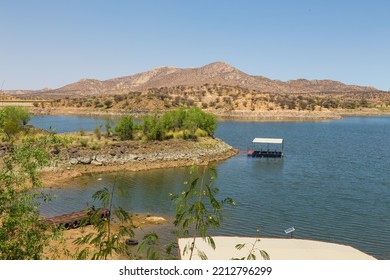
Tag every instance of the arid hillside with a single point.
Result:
(223, 101)
(217, 73)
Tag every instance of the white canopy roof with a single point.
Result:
(268, 140)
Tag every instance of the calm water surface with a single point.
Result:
(63, 124)
(333, 184)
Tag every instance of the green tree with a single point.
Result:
(173, 120)
(124, 128)
(208, 123)
(192, 120)
(152, 127)
(23, 115)
(189, 121)
(105, 242)
(23, 234)
(98, 131)
(108, 103)
(12, 119)
(108, 123)
(198, 210)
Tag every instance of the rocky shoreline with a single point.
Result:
(134, 156)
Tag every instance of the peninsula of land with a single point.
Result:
(134, 156)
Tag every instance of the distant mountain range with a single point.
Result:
(214, 73)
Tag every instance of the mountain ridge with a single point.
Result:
(213, 73)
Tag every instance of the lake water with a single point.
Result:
(63, 124)
(332, 185)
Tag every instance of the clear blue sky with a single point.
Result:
(53, 43)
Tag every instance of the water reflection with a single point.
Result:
(332, 184)
(139, 191)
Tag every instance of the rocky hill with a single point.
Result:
(214, 73)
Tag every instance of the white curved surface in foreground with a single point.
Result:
(277, 249)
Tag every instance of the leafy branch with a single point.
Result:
(252, 250)
(103, 243)
(198, 210)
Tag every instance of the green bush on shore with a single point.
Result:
(179, 124)
(124, 128)
(12, 119)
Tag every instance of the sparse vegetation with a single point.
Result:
(223, 98)
(98, 131)
(108, 126)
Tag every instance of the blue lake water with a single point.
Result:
(63, 124)
(332, 185)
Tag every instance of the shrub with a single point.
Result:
(119, 98)
(95, 146)
(191, 123)
(200, 133)
(108, 125)
(173, 120)
(124, 128)
(153, 128)
(196, 118)
(12, 119)
(98, 131)
(22, 230)
(108, 103)
(84, 142)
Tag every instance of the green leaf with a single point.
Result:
(211, 242)
(122, 215)
(82, 255)
(185, 250)
(171, 247)
(251, 256)
(83, 239)
(202, 255)
(103, 196)
(213, 174)
(264, 255)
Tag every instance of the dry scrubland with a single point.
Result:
(224, 101)
(217, 87)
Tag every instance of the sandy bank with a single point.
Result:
(64, 248)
